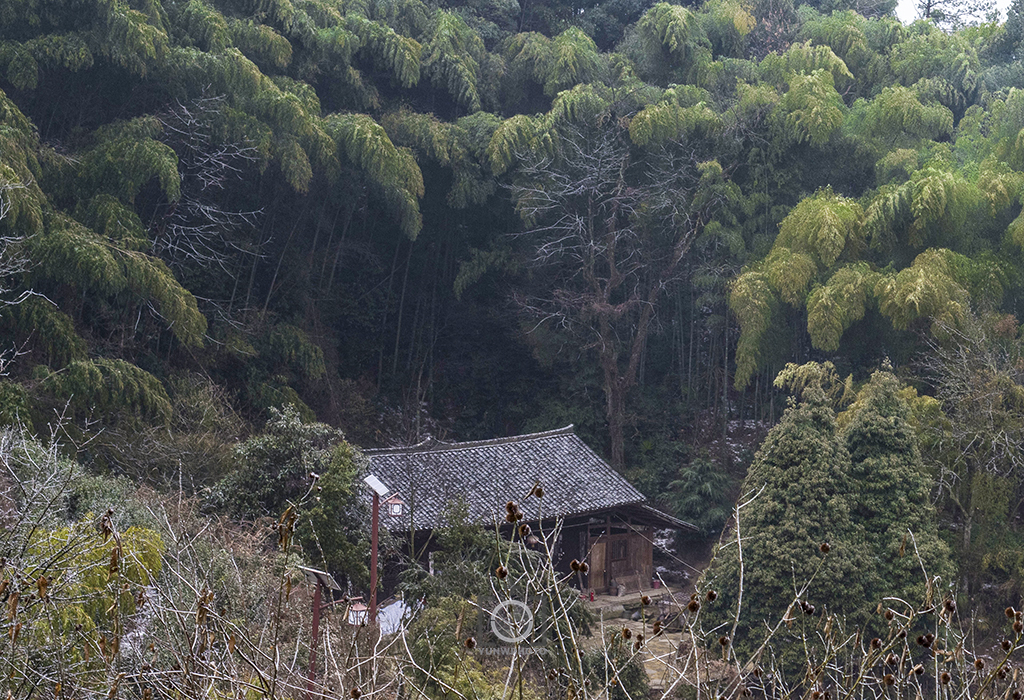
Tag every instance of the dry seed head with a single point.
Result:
(355, 692)
(949, 605)
(891, 659)
(1018, 626)
(470, 642)
(876, 643)
(918, 670)
(1016, 695)
(1006, 645)
(574, 565)
(724, 641)
(693, 605)
(1001, 674)
(645, 600)
(902, 634)
(1010, 612)
(945, 678)
(979, 664)
(889, 679)
(501, 572)
(511, 506)
(524, 530)
(757, 671)
(636, 646)
(889, 615)
(711, 596)
(552, 674)
(584, 567)
(825, 547)
(626, 633)
(538, 491)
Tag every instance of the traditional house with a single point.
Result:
(605, 520)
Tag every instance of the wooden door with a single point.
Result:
(598, 580)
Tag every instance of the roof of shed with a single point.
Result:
(486, 474)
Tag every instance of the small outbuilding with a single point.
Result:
(605, 521)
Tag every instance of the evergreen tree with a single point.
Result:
(799, 502)
(893, 504)
(304, 471)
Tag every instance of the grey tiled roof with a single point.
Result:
(489, 473)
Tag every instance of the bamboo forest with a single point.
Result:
(765, 257)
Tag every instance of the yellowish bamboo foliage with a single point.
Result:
(261, 44)
(126, 157)
(583, 104)
(364, 143)
(519, 134)
(23, 63)
(812, 109)
(940, 198)
(926, 289)
(898, 113)
(126, 37)
(676, 29)
(76, 256)
(822, 226)
(896, 166)
(752, 300)
(727, 24)
(790, 273)
(932, 56)
(806, 59)
(109, 217)
(666, 121)
(52, 332)
(833, 307)
(458, 146)
(574, 59)
(887, 214)
(204, 26)
(452, 57)
(1015, 231)
(842, 32)
(391, 51)
(1000, 185)
(113, 386)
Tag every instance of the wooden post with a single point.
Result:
(373, 559)
(314, 641)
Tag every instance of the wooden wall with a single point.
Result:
(622, 554)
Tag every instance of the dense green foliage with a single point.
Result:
(835, 519)
(305, 472)
(478, 218)
(800, 494)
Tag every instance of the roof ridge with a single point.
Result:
(434, 445)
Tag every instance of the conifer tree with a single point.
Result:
(799, 501)
(893, 504)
